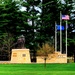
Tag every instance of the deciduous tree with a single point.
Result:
(45, 50)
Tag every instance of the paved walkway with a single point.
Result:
(4, 62)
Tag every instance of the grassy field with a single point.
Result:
(37, 69)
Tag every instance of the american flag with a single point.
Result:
(65, 17)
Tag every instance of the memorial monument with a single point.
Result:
(20, 54)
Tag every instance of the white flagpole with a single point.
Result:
(60, 32)
(66, 37)
(55, 38)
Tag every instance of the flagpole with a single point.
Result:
(55, 38)
(66, 17)
(66, 37)
(60, 33)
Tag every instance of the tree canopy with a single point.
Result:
(37, 21)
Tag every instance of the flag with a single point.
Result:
(65, 17)
(60, 28)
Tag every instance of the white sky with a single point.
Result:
(37, 8)
(23, 9)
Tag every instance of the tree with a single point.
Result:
(45, 50)
(30, 6)
(48, 18)
(6, 45)
(12, 21)
(66, 9)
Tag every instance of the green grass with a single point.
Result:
(37, 69)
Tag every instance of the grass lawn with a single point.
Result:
(37, 69)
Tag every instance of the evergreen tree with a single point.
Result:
(12, 20)
(49, 15)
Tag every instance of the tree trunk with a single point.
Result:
(74, 55)
(45, 62)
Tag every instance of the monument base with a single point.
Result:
(57, 57)
(20, 56)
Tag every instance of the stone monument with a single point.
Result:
(21, 54)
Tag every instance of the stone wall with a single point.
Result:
(57, 57)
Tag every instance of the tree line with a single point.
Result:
(36, 23)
